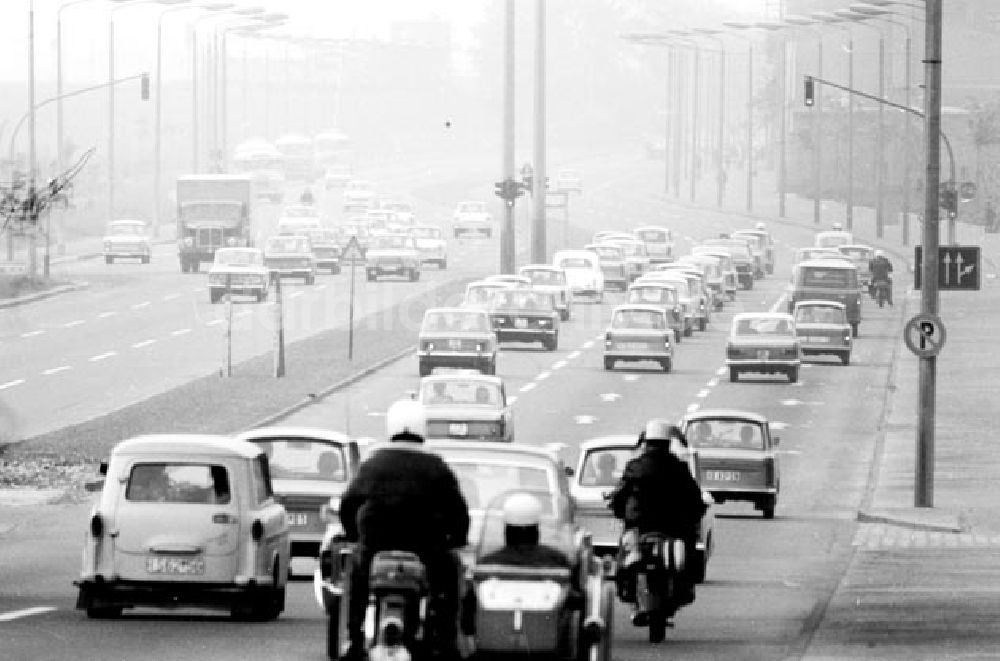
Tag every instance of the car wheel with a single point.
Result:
(104, 612)
(845, 358)
(856, 329)
(214, 296)
(425, 369)
(667, 364)
(443, 264)
(145, 259)
(702, 324)
(793, 374)
(564, 315)
(688, 330)
(108, 259)
(491, 368)
(767, 507)
(551, 343)
(414, 275)
(734, 375)
(333, 631)
(371, 276)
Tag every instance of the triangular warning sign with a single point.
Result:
(352, 251)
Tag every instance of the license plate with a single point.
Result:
(458, 429)
(763, 354)
(391, 269)
(175, 566)
(520, 323)
(722, 476)
(455, 344)
(818, 339)
(632, 345)
(513, 595)
(298, 519)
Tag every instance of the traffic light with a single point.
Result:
(144, 86)
(500, 189)
(810, 95)
(949, 201)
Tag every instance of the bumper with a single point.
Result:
(328, 262)
(524, 334)
(292, 273)
(471, 360)
(763, 366)
(143, 252)
(389, 269)
(637, 355)
(591, 292)
(722, 494)
(95, 593)
(249, 290)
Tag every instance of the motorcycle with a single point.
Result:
(652, 581)
(881, 294)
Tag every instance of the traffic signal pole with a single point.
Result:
(507, 244)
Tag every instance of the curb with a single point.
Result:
(40, 296)
(901, 522)
(331, 389)
(94, 255)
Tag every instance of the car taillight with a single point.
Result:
(96, 526)
(257, 530)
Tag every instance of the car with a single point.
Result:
(612, 260)
(240, 272)
(823, 329)
(711, 270)
(833, 239)
(659, 242)
(457, 337)
(545, 277)
(638, 333)
(598, 470)
(358, 195)
(828, 280)
(766, 244)
(637, 262)
(525, 315)
(337, 175)
(383, 220)
(403, 211)
(569, 180)
(479, 292)
(736, 456)
(604, 235)
(664, 295)
(290, 256)
(431, 244)
(743, 260)
(185, 520)
(392, 254)
(471, 217)
(326, 248)
(726, 267)
(468, 407)
(861, 256)
(758, 248)
(763, 343)
(803, 254)
(127, 239)
(701, 296)
(308, 466)
(515, 281)
(583, 273)
(686, 298)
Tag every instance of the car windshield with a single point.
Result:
(482, 481)
(191, 483)
(522, 299)
(304, 459)
(457, 321)
(480, 294)
(471, 207)
(425, 233)
(461, 392)
(607, 252)
(726, 433)
(287, 244)
(652, 236)
(391, 243)
(575, 263)
(828, 278)
(857, 254)
(819, 314)
(545, 277)
(655, 295)
(602, 467)
(237, 257)
(639, 319)
(763, 326)
(831, 240)
(127, 229)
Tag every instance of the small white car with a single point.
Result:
(546, 277)
(583, 273)
(431, 244)
(639, 333)
(358, 195)
(241, 272)
(185, 520)
(472, 218)
(659, 242)
(290, 256)
(569, 180)
(127, 239)
(479, 293)
(392, 254)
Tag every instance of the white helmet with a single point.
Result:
(838, 226)
(522, 509)
(405, 417)
(879, 253)
(761, 226)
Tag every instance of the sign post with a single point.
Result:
(229, 324)
(353, 253)
(279, 330)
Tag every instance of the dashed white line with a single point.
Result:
(528, 387)
(11, 384)
(295, 294)
(75, 322)
(559, 364)
(105, 315)
(692, 408)
(712, 383)
(721, 371)
(144, 343)
(543, 375)
(56, 370)
(34, 610)
(181, 331)
(215, 322)
(139, 306)
(102, 356)
(170, 297)
(32, 333)
(588, 344)
(702, 394)
(573, 355)
(511, 400)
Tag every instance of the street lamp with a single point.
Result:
(720, 165)
(214, 10)
(683, 37)
(749, 146)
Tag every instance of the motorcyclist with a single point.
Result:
(881, 270)
(521, 515)
(406, 499)
(658, 493)
(307, 197)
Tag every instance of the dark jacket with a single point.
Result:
(880, 267)
(526, 555)
(405, 499)
(657, 493)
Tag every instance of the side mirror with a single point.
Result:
(94, 485)
(330, 512)
(569, 471)
(412, 394)
(103, 468)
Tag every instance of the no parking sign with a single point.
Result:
(925, 335)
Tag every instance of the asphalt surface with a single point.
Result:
(769, 583)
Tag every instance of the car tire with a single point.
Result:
(104, 612)
(551, 343)
(333, 631)
(145, 259)
(657, 627)
(667, 364)
(414, 275)
(845, 358)
(564, 315)
(793, 374)
(688, 331)
(108, 259)
(458, 234)
(768, 505)
(335, 270)
(734, 375)
(214, 296)
(702, 324)
(609, 364)
(856, 329)
(699, 566)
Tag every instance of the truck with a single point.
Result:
(213, 210)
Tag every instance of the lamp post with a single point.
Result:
(720, 164)
(214, 10)
(749, 144)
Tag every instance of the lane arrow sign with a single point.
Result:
(958, 268)
(947, 268)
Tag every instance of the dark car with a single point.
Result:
(525, 315)
(457, 337)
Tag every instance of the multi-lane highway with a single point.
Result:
(768, 584)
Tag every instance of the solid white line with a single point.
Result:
(542, 376)
(573, 355)
(35, 610)
(105, 315)
(181, 331)
(170, 297)
(144, 343)
(558, 365)
(75, 322)
(102, 356)
(139, 306)
(702, 393)
(588, 344)
(215, 322)
(56, 370)
(32, 333)
(11, 384)
(692, 408)
(712, 383)
(528, 387)
(780, 302)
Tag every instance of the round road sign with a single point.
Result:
(925, 335)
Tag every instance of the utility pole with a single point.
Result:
(908, 123)
(924, 473)
(818, 146)
(538, 249)
(694, 122)
(32, 153)
(507, 245)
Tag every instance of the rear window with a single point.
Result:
(545, 277)
(304, 459)
(458, 322)
(200, 484)
(740, 434)
(828, 278)
(639, 319)
(575, 263)
(816, 314)
(652, 236)
(651, 295)
(603, 468)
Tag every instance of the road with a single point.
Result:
(768, 584)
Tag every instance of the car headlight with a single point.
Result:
(479, 346)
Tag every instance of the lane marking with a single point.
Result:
(599, 336)
(139, 306)
(11, 384)
(610, 397)
(528, 387)
(712, 383)
(692, 408)
(295, 294)
(588, 344)
(721, 371)
(144, 343)
(75, 322)
(215, 322)
(34, 610)
(630, 377)
(32, 333)
(542, 376)
(511, 400)
(702, 394)
(584, 419)
(105, 315)
(56, 370)
(559, 365)
(102, 356)
(573, 355)
(181, 331)
(196, 289)
(170, 297)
